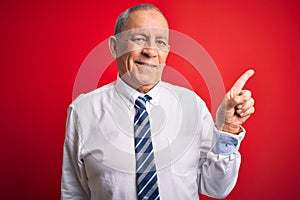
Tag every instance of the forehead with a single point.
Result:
(147, 32)
(149, 18)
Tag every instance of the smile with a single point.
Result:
(145, 64)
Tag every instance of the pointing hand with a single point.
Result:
(236, 107)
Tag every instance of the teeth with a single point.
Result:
(147, 65)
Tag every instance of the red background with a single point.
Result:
(44, 43)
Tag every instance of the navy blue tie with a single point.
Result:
(146, 175)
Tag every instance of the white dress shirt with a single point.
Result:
(191, 155)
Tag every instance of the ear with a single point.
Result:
(112, 44)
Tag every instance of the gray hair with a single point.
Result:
(123, 17)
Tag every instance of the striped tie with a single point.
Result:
(147, 186)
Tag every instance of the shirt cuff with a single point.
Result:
(226, 143)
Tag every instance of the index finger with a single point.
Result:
(240, 83)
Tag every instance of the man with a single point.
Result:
(141, 138)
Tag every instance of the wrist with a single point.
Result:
(231, 128)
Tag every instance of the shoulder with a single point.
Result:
(89, 98)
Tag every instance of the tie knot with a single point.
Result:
(140, 102)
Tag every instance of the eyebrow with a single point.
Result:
(146, 36)
(141, 34)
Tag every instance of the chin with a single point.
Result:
(146, 80)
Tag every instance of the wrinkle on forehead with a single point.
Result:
(149, 32)
(145, 19)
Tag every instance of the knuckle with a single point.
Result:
(247, 93)
(237, 99)
(250, 93)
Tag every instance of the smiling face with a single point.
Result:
(141, 49)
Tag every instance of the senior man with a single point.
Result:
(142, 138)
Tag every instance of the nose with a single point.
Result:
(149, 52)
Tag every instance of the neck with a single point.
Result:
(138, 87)
(145, 88)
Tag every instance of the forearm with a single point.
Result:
(219, 174)
(220, 165)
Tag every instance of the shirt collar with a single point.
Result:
(129, 95)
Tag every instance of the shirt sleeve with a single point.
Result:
(74, 181)
(226, 143)
(219, 158)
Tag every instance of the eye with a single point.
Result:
(161, 43)
(138, 40)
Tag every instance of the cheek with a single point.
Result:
(122, 63)
(163, 58)
(124, 60)
(131, 57)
